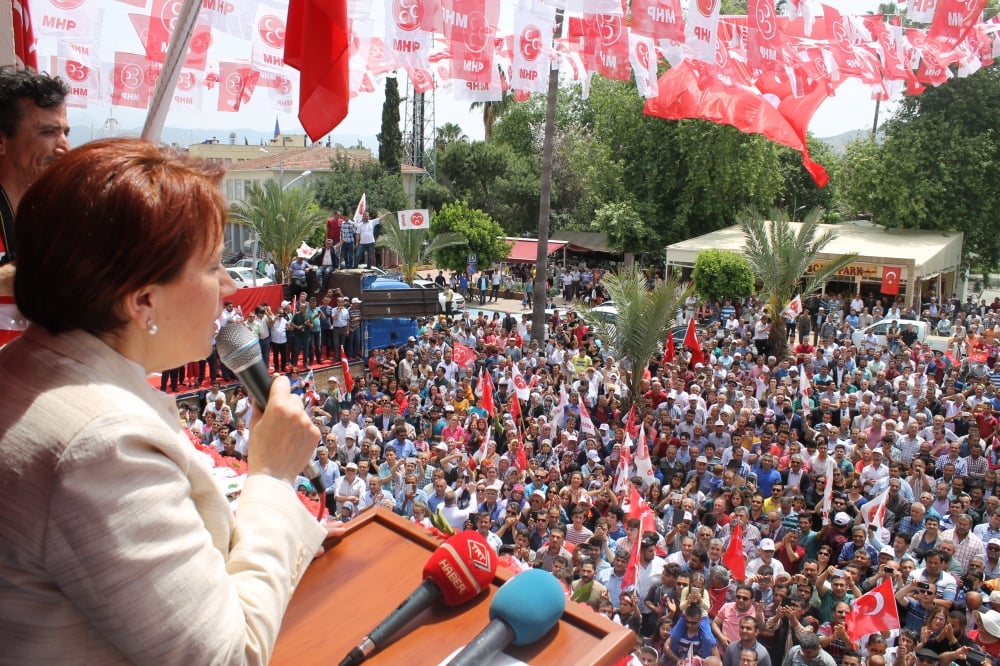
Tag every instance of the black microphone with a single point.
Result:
(239, 350)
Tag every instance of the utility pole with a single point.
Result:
(540, 291)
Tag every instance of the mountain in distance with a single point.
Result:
(186, 137)
(839, 142)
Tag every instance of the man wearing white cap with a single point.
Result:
(765, 555)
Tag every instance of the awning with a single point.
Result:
(527, 250)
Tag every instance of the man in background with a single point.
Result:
(34, 131)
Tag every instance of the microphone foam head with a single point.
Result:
(531, 603)
(238, 347)
(463, 566)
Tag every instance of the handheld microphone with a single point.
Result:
(523, 610)
(239, 350)
(455, 573)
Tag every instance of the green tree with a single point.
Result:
(390, 139)
(432, 194)
(493, 111)
(686, 177)
(494, 178)
(414, 246)
(642, 323)
(484, 237)
(282, 219)
(721, 275)
(585, 177)
(625, 228)
(448, 133)
(801, 193)
(934, 166)
(341, 190)
(780, 254)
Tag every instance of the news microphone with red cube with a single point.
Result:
(523, 610)
(458, 571)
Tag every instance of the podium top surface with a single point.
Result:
(378, 563)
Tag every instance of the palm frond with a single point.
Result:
(413, 246)
(642, 322)
(781, 255)
(283, 219)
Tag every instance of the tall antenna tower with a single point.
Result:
(419, 130)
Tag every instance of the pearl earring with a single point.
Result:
(151, 327)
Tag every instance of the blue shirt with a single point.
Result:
(702, 643)
(766, 479)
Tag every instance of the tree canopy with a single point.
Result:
(483, 235)
(641, 325)
(390, 139)
(722, 275)
(780, 256)
(282, 218)
(933, 167)
(341, 190)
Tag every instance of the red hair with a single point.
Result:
(105, 220)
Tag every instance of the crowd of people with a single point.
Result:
(733, 439)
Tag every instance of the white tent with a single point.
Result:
(922, 255)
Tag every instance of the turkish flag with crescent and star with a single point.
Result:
(890, 279)
(521, 387)
(873, 611)
(464, 356)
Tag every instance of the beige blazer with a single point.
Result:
(116, 546)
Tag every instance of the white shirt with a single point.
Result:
(366, 231)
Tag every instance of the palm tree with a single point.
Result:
(283, 219)
(494, 111)
(448, 133)
(413, 246)
(641, 325)
(780, 254)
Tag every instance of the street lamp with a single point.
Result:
(281, 164)
(296, 179)
(254, 241)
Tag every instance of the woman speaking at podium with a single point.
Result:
(116, 546)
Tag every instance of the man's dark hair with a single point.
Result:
(44, 91)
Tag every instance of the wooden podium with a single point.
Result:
(362, 578)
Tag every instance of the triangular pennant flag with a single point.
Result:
(643, 464)
(669, 350)
(734, 558)
(692, 343)
(346, 368)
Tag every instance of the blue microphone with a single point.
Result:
(523, 610)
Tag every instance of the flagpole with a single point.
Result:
(176, 52)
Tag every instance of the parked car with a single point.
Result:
(923, 329)
(243, 277)
(458, 303)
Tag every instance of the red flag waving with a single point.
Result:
(631, 425)
(515, 408)
(520, 457)
(486, 382)
(464, 356)
(669, 351)
(316, 45)
(734, 558)
(346, 367)
(632, 569)
(873, 611)
(691, 342)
